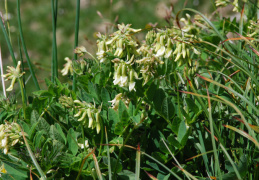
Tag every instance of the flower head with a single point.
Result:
(13, 73)
(67, 67)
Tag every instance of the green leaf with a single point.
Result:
(158, 99)
(118, 130)
(175, 125)
(172, 141)
(181, 131)
(155, 166)
(71, 139)
(163, 148)
(83, 79)
(39, 139)
(192, 106)
(131, 109)
(105, 96)
(185, 137)
(16, 171)
(124, 118)
(151, 92)
(93, 90)
(34, 117)
(43, 94)
(126, 175)
(43, 125)
(167, 109)
(59, 129)
(113, 163)
(54, 134)
(113, 118)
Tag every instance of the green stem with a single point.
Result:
(24, 47)
(8, 42)
(23, 77)
(54, 67)
(23, 97)
(76, 39)
(102, 135)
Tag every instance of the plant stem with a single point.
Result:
(8, 41)
(23, 78)
(24, 47)
(23, 99)
(2, 73)
(54, 66)
(76, 38)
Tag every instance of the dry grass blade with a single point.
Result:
(151, 176)
(254, 127)
(97, 168)
(243, 133)
(82, 165)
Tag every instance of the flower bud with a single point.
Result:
(89, 113)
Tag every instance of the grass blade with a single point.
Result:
(217, 165)
(108, 155)
(97, 168)
(24, 47)
(243, 133)
(54, 66)
(178, 164)
(161, 164)
(151, 176)
(137, 169)
(8, 41)
(2, 72)
(76, 38)
(231, 161)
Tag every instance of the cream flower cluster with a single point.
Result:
(227, 2)
(121, 43)
(148, 63)
(124, 75)
(13, 74)
(119, 97)
(88, 114)
(10, 134)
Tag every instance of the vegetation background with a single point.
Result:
(96, 16)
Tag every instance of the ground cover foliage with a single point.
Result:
(180, 104)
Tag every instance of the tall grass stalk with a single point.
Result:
(24, 47)
(7, 20)
(8, 42)
(2, 72)
(54, 65)
(161, 164)
(184, 171)
(217, 165)
(76, 38)
(108, 155)
(23, 77)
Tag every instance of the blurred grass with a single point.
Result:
(37, 27)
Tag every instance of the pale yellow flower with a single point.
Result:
(13, 73)
(67, 67)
